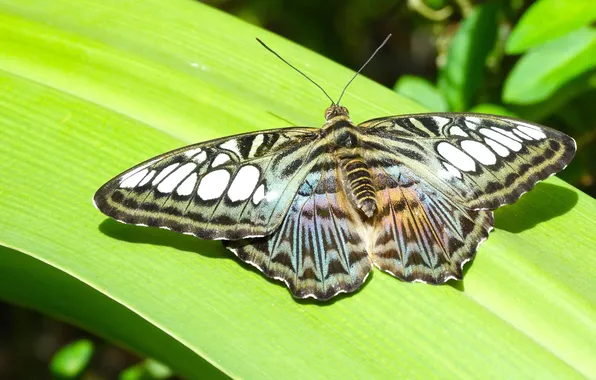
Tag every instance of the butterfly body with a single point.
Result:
(344, 141)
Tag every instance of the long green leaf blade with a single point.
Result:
(83, 97)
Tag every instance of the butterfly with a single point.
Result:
(317, 208)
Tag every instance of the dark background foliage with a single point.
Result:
(460, 55)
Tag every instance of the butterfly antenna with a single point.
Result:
(363, 66)
(292, 66)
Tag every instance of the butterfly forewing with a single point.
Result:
(228, 188)
(481, 161)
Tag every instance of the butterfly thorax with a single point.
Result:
(355, 174)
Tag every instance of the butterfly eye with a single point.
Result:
(328, 112)
(335, 110)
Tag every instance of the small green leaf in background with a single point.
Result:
(147, 370)
(71, 360)
(546, 20)
(546, 68)
(422, 91)
(436, 4)
(464, 70)
(569, 93)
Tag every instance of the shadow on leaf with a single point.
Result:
(155, 236)
(543, 203)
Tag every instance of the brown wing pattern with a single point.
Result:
(421, 234)
(320, 248)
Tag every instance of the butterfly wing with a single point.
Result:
(483, 161)
(438, 174)
(228, 188)
(320, 248)
(420, 234)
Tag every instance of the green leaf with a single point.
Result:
(421, 91)
(464, 70)
(546, 20)
(88, 89)
(558, 101)
(493, 109)
(147, 370)
(436, 4)
(545, 69)
(70, 361)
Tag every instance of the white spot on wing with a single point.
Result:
(231, 145)
(507, 133)
(200, 158)
(441, 121)
(213, 184)
(164, 173)
(133, 180)
(458, 158)
(220, 159)
(457, 131)
(139, 169)
(472, 126)
(259, 194)
(188, 185)
(500, 149)
(452, 170)
(528, 125)
(192, 152)
(256, 143)
(522, 135)
(147, 178)
(509, 143)
(474, 119)
(170, 182)
(532, 132)
(244, 183)
(480, 152)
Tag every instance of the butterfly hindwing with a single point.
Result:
(227, 188)
(421, 234)
(482, 161)
(320, 249)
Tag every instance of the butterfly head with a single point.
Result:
(336, 110)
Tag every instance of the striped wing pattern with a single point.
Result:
(228, 188)
(316, 208)
(483, 161)
(421, 234)
(319, 250)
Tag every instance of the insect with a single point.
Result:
(318, 208)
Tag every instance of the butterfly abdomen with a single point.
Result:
(359, 184)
